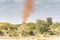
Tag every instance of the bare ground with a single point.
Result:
(31, 38)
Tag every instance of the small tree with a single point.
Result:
(39, 24)
(49, 21)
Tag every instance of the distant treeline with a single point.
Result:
(30, 29)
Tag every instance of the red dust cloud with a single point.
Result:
(26, 11)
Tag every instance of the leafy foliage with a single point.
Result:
(30, 29)
(49, 21)
(44, 29)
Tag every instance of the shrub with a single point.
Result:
(44, 29)
(30, 32)
(1, 33)
(52, 32)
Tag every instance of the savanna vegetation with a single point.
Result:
(40, 27)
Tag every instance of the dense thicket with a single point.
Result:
(30, 29)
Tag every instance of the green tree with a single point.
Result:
(40, 23)
(41, 26)
(49, 21)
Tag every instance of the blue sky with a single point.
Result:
(11, 10)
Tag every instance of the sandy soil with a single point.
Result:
(31, 38)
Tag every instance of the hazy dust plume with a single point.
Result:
(27, 8)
